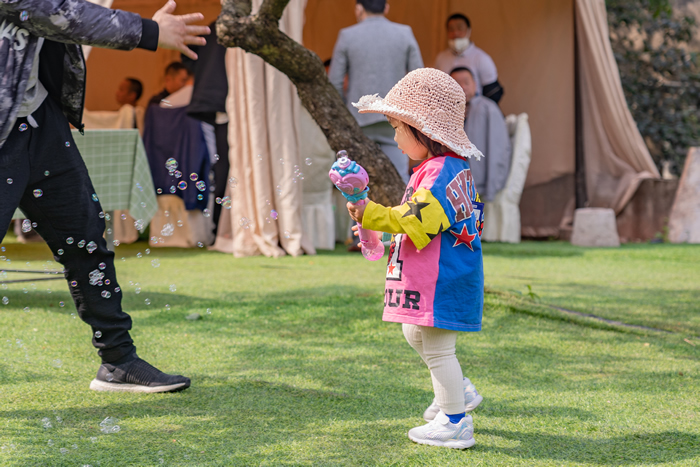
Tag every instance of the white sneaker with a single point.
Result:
(441, 432)
(471, 400)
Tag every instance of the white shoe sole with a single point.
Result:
(450, 443)
(97, 385)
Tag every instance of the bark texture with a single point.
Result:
(259, 34)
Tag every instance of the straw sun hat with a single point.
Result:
(430, 101)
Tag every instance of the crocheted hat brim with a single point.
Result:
(456, 141)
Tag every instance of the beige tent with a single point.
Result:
(533, 43)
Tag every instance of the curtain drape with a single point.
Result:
(264, 187)
(616, 158)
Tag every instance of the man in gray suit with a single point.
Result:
(375, 54)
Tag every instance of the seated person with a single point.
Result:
(176, 77)
(463, 53)
(486, 128)
(129, 114)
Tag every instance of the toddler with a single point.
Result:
(434, 278)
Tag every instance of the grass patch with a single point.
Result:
(292, 365)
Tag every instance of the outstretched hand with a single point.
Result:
(356, 211)
(175, 32)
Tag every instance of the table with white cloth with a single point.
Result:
(118, 167)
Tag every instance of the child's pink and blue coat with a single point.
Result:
(435, 274)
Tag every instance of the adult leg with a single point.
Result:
(59, 197)
(14, 175)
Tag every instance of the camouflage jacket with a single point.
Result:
(65, 25)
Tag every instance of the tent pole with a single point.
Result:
(580, 171)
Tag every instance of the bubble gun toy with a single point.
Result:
(351, 179)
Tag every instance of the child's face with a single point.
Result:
(407, 143)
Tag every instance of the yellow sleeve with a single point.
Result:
(422, 218)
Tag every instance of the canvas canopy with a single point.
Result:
(533, 46)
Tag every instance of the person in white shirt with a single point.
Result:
(463, 53)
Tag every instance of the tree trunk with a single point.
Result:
(259, 34)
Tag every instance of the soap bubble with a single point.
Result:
(117, 289)
(95, 276)
(26, 225)
(23, 127)
(287, 234)
(178, 174)
(5, 300)
(74, 284)
(233, 181)
(194, 177)
(308, 161)
(9, 181)
(171, 165)
(38, 193)
(173, 189)
(273, 214)
(167, 230)
(155, 263)
(69, 240)
(46, 173)
(201, 185)
(106, 294)
(92, 246)
(244, 222)
(81, 243)
(173, 287)
(24, 16)
(57, 364)
(200, 197)
(46, 422)
(147, 301)
(102, 266)
(182, 185)
(158, 191)
(226, 202)
(94, 197)
(98, 334)
(61, 304)
(279, 190)
(60, 251)
(109, 425)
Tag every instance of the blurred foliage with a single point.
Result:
(660, 76)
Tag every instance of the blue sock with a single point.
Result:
(456, 417)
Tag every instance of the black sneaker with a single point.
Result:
(136, 376)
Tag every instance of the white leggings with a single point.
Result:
(437, 349)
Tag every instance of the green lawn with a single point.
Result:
(292, 365)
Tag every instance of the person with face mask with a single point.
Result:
(462, 52)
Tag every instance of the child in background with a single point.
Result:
(434, 279)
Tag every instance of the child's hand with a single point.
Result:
(356, 230)
(356, 212)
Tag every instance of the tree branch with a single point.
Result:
(260, 36)
(273, 9)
